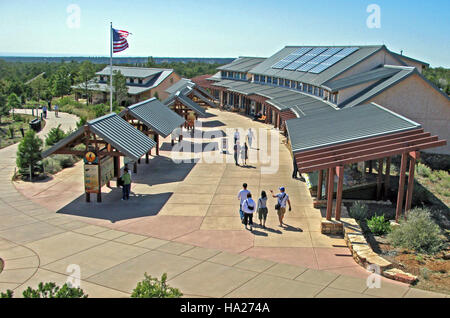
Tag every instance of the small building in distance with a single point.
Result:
(142, 83)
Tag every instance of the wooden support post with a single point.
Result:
(330, 193)
(157, 144)
(364, 170)
(319, 185)
(379, 178)
(139, 161)
(99, 197)
(401, 187)
(117, 162)
(135, 167)
(387, 177)
(88, 197)
(410, 188)
(146, 158)
(340, 186)
(370, 166)
(326, 182)
(99, 194)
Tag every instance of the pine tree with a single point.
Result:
(29, 153)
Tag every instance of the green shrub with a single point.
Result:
(359, 211)
(423, 170)
(49, 290)
(419, 233)
(82, 121)
(378, 225)
(153, 288)
(54, 135)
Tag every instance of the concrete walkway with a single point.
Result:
(182, 220)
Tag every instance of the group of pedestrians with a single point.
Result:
(248, 206)
(242, 151)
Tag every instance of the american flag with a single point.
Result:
(120, 40)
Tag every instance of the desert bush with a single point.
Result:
(66, 161)
(153, 288)
(378, 225)
(359, 210)
(423, 170)
(49, 290)
(51, 165)
(419, 233)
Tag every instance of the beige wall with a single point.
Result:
(417, 100)
(382, 57)
(348, 92)
(408, 62)
(161, 88)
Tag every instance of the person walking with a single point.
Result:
(126, 178)
(242, 196)
(282, 198)
(244, 154)
(250, 137)
(262, 209)
(248, 207)
(44, 111)
(56, 110)
(295, 172)
(237, 151)
(236, 136)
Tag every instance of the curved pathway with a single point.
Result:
(179, 223)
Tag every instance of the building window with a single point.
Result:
(243, 76)
(293, 84)
(131, 80)
(140, 81)
(269, 80)
(263, 79)
(321, 92)
(281, 82)
(299, 86)
(287, 83)
(256, 78)
(275, 81)
(101, 79)
(316, 92)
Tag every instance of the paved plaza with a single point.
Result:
(182, 219)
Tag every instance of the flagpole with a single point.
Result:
(111, 69)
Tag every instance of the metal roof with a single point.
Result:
(182, 83)
(361, 78)
(121, 135)
(114, 130)
(265, 67)
(157, 116)
(280, 97)
(202, 97)
(137, 72)
(242, 64)
(179, 96)
(340, 126)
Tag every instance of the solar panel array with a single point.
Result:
(291, 57)
(313, 60)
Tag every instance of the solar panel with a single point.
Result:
(309, 56)
(319, 59)
(333, 60)
(291, 57)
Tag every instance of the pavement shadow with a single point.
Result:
(291, 228)
(114, 209)
(212, 124)
(160, 170)
(187, 146)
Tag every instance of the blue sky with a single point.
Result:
(223, 28)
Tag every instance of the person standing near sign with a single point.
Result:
(126, 179)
